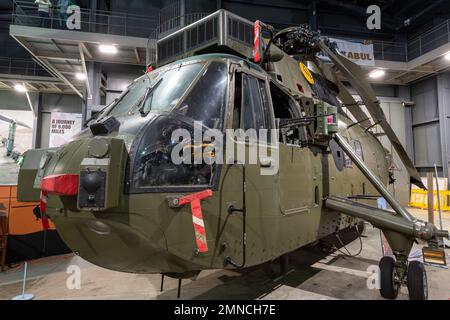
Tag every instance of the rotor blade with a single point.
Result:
(346, 98)
(353, 106)
(356, 77)
(11, 120)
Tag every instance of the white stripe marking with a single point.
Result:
(198, 221)
(358, 273)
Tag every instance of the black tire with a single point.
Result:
(417, 281)
(388, 286)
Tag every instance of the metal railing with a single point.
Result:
(423, 43)
(389, 50)
(168, 27)
(26, 13)
(429, 40)
(99, 21)
(20, 66)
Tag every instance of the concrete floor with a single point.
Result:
(316, 275)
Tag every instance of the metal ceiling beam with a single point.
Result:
(407, 22)
(86, 76)
(48, 65)
(29, 101)
(29, 79)
(76, 58)
(86, 50)
(31, 86)
(78, 36)
(58, 56)
(56, 87)
(5, 85)
(24, 43)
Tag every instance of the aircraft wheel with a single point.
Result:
(389, 287)
(417, 281)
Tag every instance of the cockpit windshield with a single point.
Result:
(161, 89)
(195, 90)
(164, 92)
(179, 96)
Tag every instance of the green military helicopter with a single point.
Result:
(118, 199)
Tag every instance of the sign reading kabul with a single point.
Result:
(358, 52)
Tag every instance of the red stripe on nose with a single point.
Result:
(60, 184)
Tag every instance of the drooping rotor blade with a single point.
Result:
(329, 72)
(356, 77)
(353, 106)
(11, 120)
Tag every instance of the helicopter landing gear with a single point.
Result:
(178, 289)
(179, 276)
(417, 281)
(395, 273)
(389, 278)
(161, 289)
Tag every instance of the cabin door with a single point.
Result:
(296, 188)
(251, 115)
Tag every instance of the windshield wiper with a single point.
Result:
(149, 91)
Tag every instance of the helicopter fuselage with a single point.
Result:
(138, 231)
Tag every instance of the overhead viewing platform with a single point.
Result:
(406, 62)
(101, 37)
(108, 37)
(30, 74)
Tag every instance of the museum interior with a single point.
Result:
(123, 123)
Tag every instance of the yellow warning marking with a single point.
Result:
(306, 73)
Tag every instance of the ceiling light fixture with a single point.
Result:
(378, 73)
(80, 76)
(107, 48)
(20, 88)
(447, 56)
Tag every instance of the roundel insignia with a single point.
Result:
(306, 73)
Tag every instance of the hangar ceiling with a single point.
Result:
(63, 54)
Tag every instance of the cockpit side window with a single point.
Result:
(265, 103)
(250, 104)
(284, 107)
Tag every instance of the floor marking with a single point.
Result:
(288, 292)
(353, 272)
